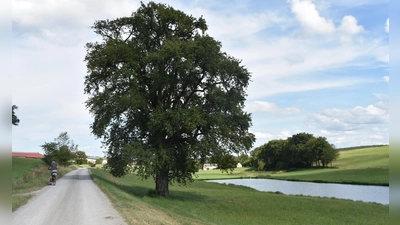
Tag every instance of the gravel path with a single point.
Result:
(74, 200)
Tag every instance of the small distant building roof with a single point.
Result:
(32, 155)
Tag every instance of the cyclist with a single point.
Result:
(53, 168)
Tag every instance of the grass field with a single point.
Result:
(360, 166)
(209, 203)
(368, 166)
(29, 175)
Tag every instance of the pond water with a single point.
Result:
(377, 194)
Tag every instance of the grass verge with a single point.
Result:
(210, 203)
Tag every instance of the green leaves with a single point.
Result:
(80, 157)
(163, 95)
(62, 150)
(300, 150)
(15, 119)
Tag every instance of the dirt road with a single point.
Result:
(75, 199)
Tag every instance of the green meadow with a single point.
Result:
(368, 166)
(210, 203)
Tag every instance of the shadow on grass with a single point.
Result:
(141, 191)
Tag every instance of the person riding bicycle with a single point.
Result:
(53, 168)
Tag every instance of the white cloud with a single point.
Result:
(349, 25)
(263, 137)
(387, 26)
(350, 119)
(351, 138)
(65, 22)
(348, 29)
(383, 104)
(267, 107)
(258, 90)
(381, 96)
(310, 18)
(38, 13)
(376, 136)
(386, 78)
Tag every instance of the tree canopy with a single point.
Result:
(62, 150)
(301, 150)
(164, 96)
(80, 157)
(15, 119)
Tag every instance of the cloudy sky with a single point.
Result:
(319, 66)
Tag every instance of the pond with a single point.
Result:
(365, 193)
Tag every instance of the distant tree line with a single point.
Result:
(302, 150)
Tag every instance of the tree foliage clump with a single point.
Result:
(15, 119)
(99, 160)
(62, 150)
(302, 150)
(80, 157)
(164, 96)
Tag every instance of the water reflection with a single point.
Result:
(377, 194)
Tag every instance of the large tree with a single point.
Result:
(164, 96)
(15, 119)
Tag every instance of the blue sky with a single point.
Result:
(320, 67)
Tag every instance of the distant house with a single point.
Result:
(92, 159)
(209, 166)
(31, 155)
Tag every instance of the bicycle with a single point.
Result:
(53, 178)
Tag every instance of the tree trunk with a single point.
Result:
(162, 183)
